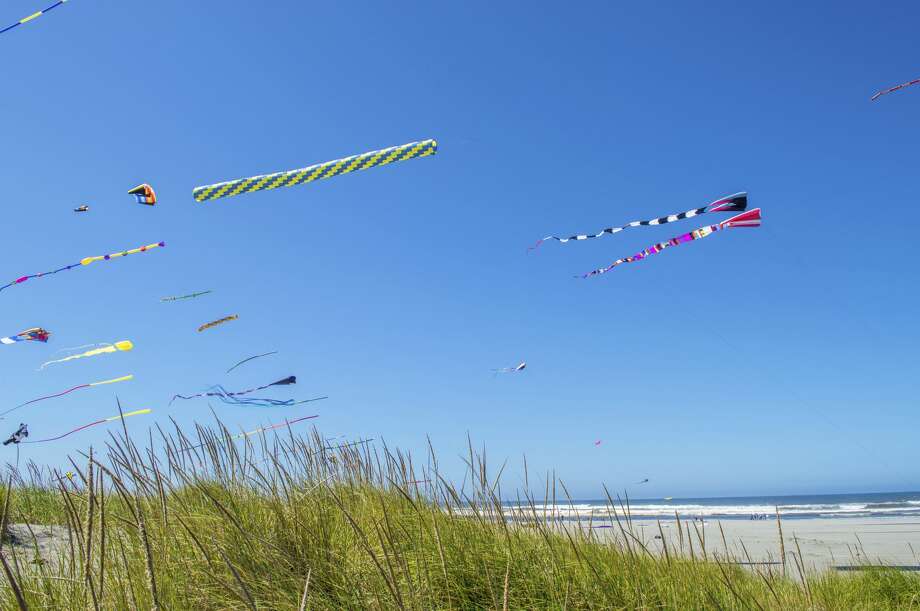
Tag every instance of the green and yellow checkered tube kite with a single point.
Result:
(319, 171)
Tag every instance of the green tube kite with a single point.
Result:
(319, 171)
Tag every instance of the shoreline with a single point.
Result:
(818, 543)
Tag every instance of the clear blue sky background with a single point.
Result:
(778, 360)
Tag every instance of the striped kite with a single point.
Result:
(319, 171)
(144, 194)
(731, 203)
(122, 346)
(86, 426)
(86, 261)
(895, 88)
(232, 397)
(32, 16)
(751, 218)
(35, 334)
(219, 321)
(68, 391)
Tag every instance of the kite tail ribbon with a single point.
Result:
(86, 426)
(751, 218)
(731, 203)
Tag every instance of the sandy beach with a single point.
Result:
(823, 543)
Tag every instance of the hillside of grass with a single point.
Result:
(281, 522)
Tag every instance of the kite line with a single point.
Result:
(318, 171)
(731, 203)
(32, 16)
(751, 218)
(86, 261)
(258, 356)
(86, 426)
(68, 391)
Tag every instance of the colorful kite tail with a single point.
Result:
(35, 15)
(731, 203)
(751, 218)
(895, 88)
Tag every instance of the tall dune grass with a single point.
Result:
(283, 522)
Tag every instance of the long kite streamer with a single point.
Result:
(731, 203)
(318, 171)
(68, 391)
(252, 358)
(122, 346)
(86, 261)
(259, 430)
(219, 321)
(32, 16)
(35, 334)
(751, 218)
(189, 296)
(895, 88)
(86, 426)
(232, 397)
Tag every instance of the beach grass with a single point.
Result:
(280, 521)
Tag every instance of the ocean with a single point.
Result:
(857, 505)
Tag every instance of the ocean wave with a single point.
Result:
(597, 511)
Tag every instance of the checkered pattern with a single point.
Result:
(732, 203)
(316, 172)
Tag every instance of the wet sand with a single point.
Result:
(821, 543)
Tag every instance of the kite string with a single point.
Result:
(60, 394)
(250, 359)
(76, 430)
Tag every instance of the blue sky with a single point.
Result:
(777, 360)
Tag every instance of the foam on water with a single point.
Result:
(825, 506)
